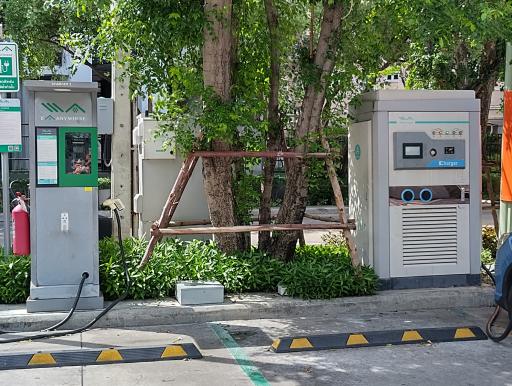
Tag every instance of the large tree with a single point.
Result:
(266, 74)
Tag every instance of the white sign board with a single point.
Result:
(9, 70)
(10, 125)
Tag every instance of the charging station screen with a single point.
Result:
(78, 153)
(412, 150)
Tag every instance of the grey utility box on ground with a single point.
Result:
(63, 194)
(415, 186)
(199, 292)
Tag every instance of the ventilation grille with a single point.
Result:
(429, 235)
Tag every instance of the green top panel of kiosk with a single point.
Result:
(66, 156)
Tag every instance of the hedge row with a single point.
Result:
(319, 271)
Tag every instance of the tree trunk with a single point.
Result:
(491, 61)
(217, 74)
(274, 133)
(294, 202)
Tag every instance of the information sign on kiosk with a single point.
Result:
(64, 196)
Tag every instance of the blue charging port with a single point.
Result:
(426, 195)
(407, 195)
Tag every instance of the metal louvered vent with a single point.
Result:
(429, 235)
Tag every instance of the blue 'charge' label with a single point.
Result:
(449, 164)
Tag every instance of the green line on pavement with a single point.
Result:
(238, 353)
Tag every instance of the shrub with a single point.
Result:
(322, 272)
(175, 260)
(489, 240)
(103, 183)
(318, 271)
(334, 238)
(14, 279)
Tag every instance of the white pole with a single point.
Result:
(5, 188)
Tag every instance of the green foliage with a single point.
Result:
(335, 239)
(447, 48)
(104, 183)
(14, 279)
(487, 257)
(43, 29)
(489, 240)
(175, 260)
(322, 272)
(319, 271)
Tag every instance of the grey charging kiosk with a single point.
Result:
(63, 194)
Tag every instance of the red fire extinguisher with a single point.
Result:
(20, 228)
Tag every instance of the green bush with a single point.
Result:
(322, 272)
(103, 183)
(14, 279)
(318, 271)
(175, 260)
(489, 239)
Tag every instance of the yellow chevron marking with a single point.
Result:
(173, 351)
(275, 344)
(301, 343)
(356, 339)
(464, 333)
(411, 336)
(110, 355)
(42, 359)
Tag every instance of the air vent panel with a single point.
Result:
(429, 235)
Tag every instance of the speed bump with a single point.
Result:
(377, 338)
(99, 356)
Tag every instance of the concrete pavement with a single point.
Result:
(135, 313)
(250, 361)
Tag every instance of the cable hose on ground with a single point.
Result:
(490, 323)
(101, 314)
(85, 275)
(496, 313)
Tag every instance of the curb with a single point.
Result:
(252, 306)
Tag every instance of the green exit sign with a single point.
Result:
(9, 71)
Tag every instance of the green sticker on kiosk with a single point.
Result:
(357, 152)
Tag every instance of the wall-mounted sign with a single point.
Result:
(63, 109)
(9, 72)
(10, 125)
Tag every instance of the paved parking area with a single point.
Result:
(237, 353)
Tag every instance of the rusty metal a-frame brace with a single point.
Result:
(159, 228)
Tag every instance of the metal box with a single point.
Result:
(199, 292)
(105, 116)
(156, 177)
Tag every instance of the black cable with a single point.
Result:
(490, 323)
(85, 275)
(496, 313)
(489, 273)
(102, 313)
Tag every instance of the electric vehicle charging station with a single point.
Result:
(415, 186)
(64, 196)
